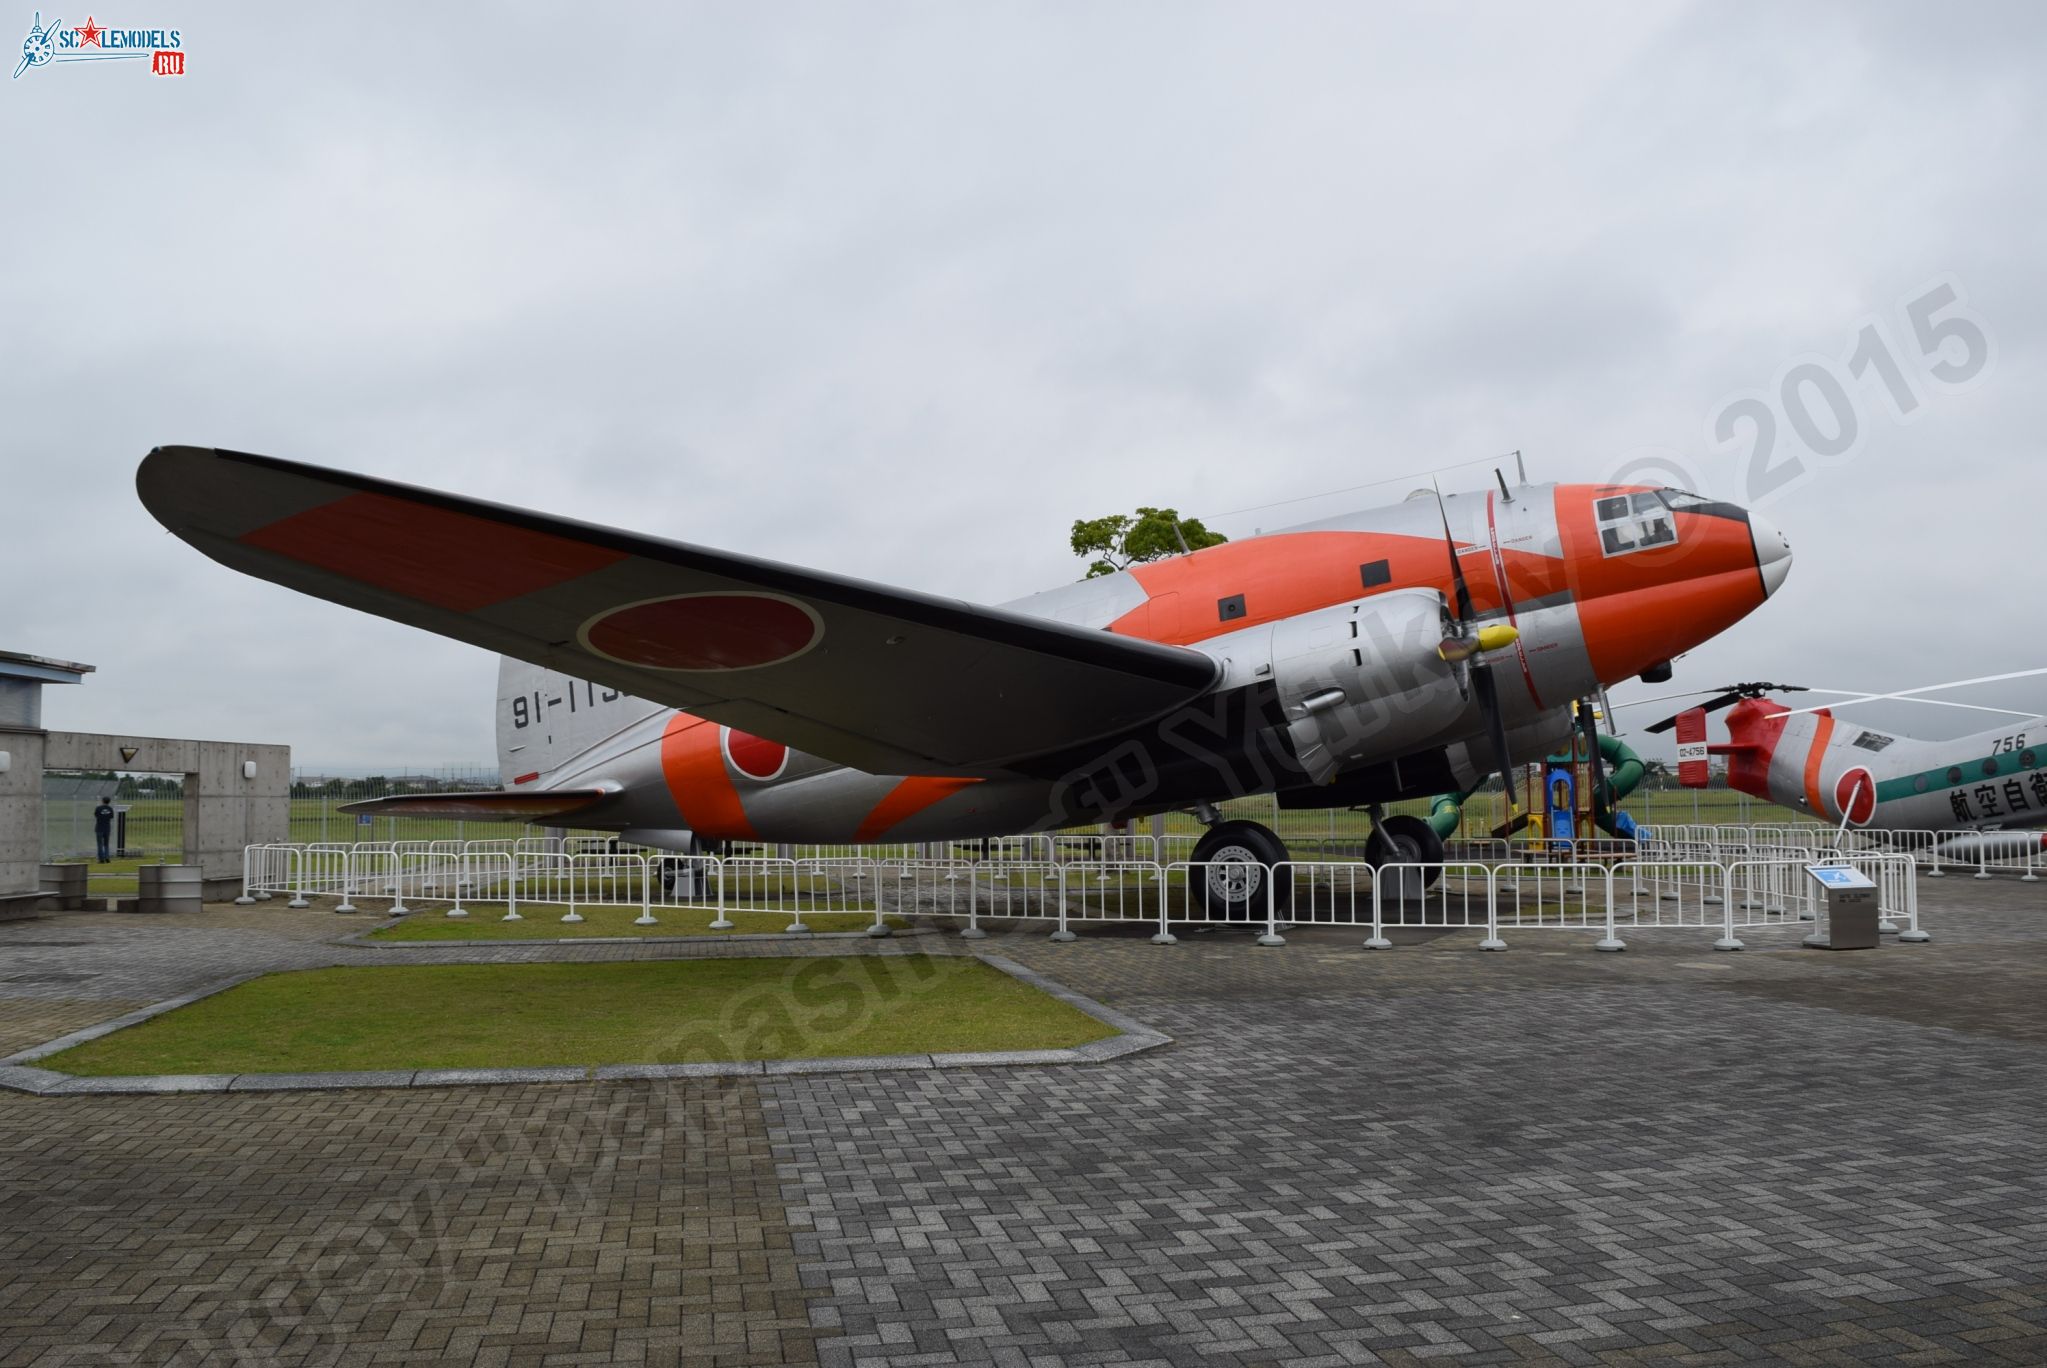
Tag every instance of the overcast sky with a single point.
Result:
(902, 290)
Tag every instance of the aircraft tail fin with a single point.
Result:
(483, 807)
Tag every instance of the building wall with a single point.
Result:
(21, 811)
(223, 810)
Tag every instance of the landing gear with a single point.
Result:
(1404, 840)
(1233, 864)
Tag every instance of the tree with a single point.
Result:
(1122, 540)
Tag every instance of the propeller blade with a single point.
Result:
(1496, 730)
(1588, 720)
(1456, 562)
(1481, 673)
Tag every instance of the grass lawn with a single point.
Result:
(540, 922)
(664, 1012)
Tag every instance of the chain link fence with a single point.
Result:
(152, 809)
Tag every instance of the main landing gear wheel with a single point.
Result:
(1404, 840)
(1234, 862)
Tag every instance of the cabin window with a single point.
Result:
(1632, 522)
(1231, 608)
(1375, 573)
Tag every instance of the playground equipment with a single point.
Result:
(1568, 800)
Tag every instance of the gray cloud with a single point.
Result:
(901, 290)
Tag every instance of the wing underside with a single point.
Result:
(885, 680)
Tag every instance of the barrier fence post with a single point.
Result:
(398, 907)
(1377, 940)
(512, 887)
(797, 926)
(1165, 935)
(1728, 940)
(973, 929)
(1492, 939)
(347, 880)
(1271, 936)
(646, 917)
(1610, 941)
(722, 922)
(298, 897)
(247, 899)
(572, 915)
(1064, 933)
(880, 927)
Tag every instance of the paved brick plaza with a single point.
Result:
(1669, 1155)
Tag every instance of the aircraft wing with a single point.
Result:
(885, 680)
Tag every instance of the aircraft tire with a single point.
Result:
(1223, 893)
(1407, 840)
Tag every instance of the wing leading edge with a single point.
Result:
(885, 680)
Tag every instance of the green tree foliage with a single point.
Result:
(1122, 540)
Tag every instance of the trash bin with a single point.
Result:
(1846, 902)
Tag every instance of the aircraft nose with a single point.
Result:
(1773, 552)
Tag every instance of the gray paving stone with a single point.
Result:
(1347, 1157)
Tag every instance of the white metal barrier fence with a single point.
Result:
(1713, 885)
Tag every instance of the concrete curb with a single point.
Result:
(17, 1074)
(361, 939)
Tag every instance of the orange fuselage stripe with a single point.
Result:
(693, 764)
(906, 800)
(1822, 732)
(1289, 573)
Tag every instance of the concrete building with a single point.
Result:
(236, 793)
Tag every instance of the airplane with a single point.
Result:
(1809, 761)
(686, 697)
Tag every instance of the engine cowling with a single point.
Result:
(1366, 680)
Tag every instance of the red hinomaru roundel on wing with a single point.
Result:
(756, 757)
(738, 631)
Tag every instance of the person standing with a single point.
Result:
(103, 826)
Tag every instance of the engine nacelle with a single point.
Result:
(1365, 680)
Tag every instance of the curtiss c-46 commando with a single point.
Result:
(686, 697)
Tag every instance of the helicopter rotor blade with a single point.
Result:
(1913, 694)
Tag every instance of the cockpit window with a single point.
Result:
(1677, 500)
(1633, 522)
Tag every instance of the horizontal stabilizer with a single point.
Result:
(483, 807)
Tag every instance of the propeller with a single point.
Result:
(1469, 647)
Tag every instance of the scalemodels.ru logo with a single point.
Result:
(92, 41)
